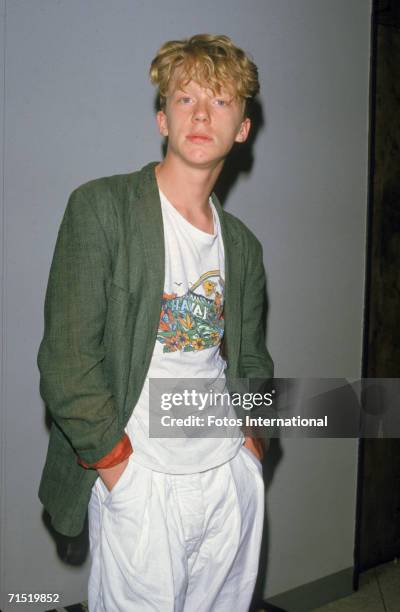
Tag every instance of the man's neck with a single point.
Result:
(187, 188)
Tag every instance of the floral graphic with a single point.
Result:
(209, 287)
(193, 321)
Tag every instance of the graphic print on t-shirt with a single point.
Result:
(193, 321)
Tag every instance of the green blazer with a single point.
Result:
(102, 310)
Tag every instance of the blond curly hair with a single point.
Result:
(213, 61)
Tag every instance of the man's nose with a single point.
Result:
(201, 111)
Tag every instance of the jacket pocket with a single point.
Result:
(120, 318)
(120, 294)
(118, 336)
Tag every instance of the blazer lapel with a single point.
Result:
(149, 217)
(232, 294)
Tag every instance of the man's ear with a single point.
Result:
(162, 123)
(243, 130)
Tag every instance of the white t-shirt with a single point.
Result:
(187, 346)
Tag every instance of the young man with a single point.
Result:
(149, 275)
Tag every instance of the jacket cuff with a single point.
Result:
(119, 453)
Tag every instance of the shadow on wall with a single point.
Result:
(271, 460)
(241, 158)
(70, 550)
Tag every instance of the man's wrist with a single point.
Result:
(121, 451)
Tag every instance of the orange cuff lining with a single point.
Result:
(121, 451)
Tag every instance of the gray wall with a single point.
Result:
(78, 105)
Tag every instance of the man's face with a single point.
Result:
(201, 126)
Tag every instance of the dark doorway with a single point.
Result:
(378, 495)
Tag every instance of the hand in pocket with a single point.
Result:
(110, 476)
(256, 445)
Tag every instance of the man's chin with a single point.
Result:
(205, 162)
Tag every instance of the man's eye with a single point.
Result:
(220, 102)
(185, 100)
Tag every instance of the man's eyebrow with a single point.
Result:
(226, 95)
(179, 89)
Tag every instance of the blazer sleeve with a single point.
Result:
(255, 360)
(71, 353)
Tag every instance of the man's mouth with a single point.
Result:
(198, 138)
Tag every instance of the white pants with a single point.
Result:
(177, 543)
